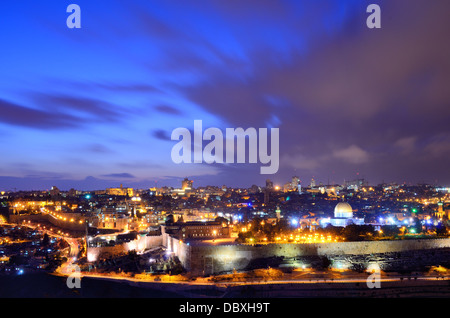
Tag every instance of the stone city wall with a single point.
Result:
(181, 249)
(140, 244)
(72, 226)
(207, 259)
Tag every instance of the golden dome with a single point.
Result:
(343, 210)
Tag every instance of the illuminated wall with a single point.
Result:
(75, 225)
(202, 259)
(140, 244)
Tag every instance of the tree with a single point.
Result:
(45, 240)
(17, 260)
(256, 224)
(170, 219)
(268, 231)
(221, 220)
(416, 227)
(132, 255)
(322, 263)
(333, 230)
(354, 232)
(441, 230)
(390, 230)
(282, 226)
(62, 244)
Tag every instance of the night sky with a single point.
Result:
(95, 107)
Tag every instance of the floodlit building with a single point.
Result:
(343, 216)
(109, 218)
(187, 184)
(357, 184)
(203, 230)
(120, 191)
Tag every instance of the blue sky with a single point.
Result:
(95, 107)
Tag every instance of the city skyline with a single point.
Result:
(94, 107)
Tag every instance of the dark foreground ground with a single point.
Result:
(43, 285)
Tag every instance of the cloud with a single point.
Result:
(352, 154)
(438, 146)
(90, 183)
(300, 162)
(168, 110)
(312, 69)
(86, 109)
(18, 115)
(119, 175)
(349, 87)
(54, 112)
(141, 165)
(406, 145)
(161, 135)
(98, 148)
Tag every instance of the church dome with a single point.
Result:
(343, 210)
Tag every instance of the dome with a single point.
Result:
(343, 210)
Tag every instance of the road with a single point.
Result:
(66, 268)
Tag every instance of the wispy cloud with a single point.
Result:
(352, 154)
(344, 97)
(18, 115)
(124, 175)
(168, 110)
(161, 135)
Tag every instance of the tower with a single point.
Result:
(266, 196)
(186, 184)
(278, 213)
(440, 212)
(295, 182)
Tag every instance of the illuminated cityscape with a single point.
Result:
(218, 149)
(209, 235)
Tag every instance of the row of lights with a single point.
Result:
(63, 218)
(50, 229)
(316, 238)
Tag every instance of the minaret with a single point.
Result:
(440, 213)
(266, 196)
(87, 236)
(278, 213)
